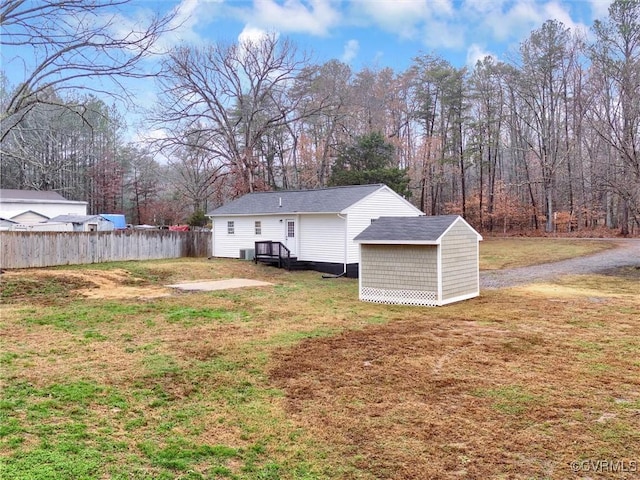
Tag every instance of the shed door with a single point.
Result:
(290, 235)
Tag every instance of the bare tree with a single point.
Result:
(547, 57)
(143, 183)
(616, 117)
(73, 44)
(194, 173)
(488, 105)
(231, 96)
(320, 134)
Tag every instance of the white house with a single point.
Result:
(35, 205)
(429, 261)
(316, 226)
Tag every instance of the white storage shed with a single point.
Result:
(428, 260)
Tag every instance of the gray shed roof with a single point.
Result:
(74, 218)
(326, 200)
(424, 229)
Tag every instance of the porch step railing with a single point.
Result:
(273, 251)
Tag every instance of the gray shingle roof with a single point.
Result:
(407, 229)
(12, 194)
(326, 200)
(73, 218)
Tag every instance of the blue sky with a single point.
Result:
(383, 33)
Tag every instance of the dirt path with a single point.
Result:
(627, 253)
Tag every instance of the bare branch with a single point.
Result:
(74, 43)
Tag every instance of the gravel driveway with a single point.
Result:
(627, 252)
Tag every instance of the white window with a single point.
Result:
(230, 227)
(258, 227)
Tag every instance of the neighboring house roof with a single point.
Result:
(325, 200)
(74, 218)
(31, 195)
(409, 230)
(118, 220)
(18, 196)
(2, 219)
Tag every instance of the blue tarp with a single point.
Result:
(118, 220)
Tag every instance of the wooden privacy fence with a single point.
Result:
(46, 249)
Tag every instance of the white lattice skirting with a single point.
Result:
(399, 297)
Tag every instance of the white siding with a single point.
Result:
(225, 245)
(321, 238)
(382, 203)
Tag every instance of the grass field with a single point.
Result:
(105, 373)
(497, 253)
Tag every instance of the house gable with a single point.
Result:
(384, 202)
(29, 216)
(384, 190)
(460, 261)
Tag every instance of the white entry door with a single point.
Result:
(290, 234)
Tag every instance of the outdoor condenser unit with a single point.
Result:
(247, 253)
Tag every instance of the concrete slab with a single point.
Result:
(211, 285)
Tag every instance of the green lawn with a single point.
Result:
(300, 380)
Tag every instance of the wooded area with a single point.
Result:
(548, 140)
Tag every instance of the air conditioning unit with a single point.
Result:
(243, 254)
(250, 254)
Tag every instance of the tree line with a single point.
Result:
(548, 139)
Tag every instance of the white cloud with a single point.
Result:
(522, 16)
(516, 21)
(434, 22)
(182, 26)
(482, 7)
(555, 11)
(441, 34)
(600, 8)
(251, 34)
(188, 16)
(401, 16)
(293, 16)
(351, 49)
(475, 53)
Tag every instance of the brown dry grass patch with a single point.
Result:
(450, 396)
